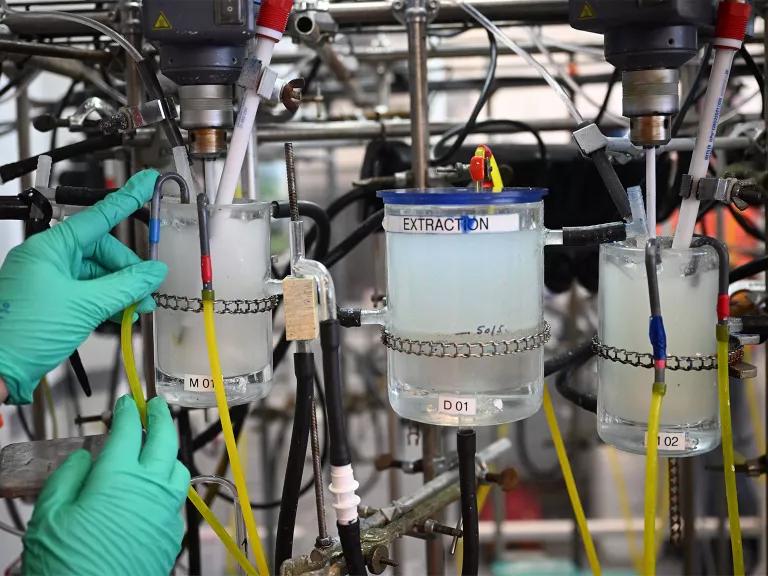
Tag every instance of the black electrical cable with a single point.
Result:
(14, 170)
(677, 123)
(746, 224)
(516, 125)
(24, 423)
(749, 269)
(318, 216)
(368, 227)
(485, 93)
(756, 72)
(304, 368)
(466, 447)
(615, 77)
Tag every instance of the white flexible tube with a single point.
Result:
(705, 137)
(129, 48)
(650, 191)
(517, 49)
(241, 136)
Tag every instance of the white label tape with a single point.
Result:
(669, 440)
(197, 383)
(457, 405)
(466, 224)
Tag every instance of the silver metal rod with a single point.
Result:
(561, 530)
(317, 467)
(416, 25)
(355, 14)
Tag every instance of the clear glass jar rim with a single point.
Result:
(245, 204)
(623, 248)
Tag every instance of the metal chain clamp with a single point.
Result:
(645, 360)
(195, 305)
(440, 349)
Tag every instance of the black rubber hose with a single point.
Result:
(304, 368)
(14, 170)
(749, 269)
(315, 213)
(593, 235)
(723, 259)
(330, 342)
(369, 226)
(349, 534)
(466, 446)
(81, 196)
(677, 123)
(573, 357)
(14, 208)
(612, 183)
(583, 400)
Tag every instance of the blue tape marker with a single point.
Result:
(154, 230)
(658, 337)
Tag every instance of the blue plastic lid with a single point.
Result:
(461, 196)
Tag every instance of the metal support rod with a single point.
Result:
(416, 26)
(22, 132)
(430, 438)
(317, 467)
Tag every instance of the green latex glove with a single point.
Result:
(118, 515)
(59, 285)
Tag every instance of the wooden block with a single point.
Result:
(25, 467)
(300, 299)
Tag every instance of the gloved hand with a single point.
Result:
(119, 515)
(59, 285)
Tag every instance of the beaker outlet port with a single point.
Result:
(672, 441)
(196, 391)
(442, 408)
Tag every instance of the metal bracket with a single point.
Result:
(590, 139)
(724, 190)
(256, 77)
(401, 7)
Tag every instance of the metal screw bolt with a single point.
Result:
(430, 526)
(506, 479)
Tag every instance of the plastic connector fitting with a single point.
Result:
(345, 501)
(732, 20)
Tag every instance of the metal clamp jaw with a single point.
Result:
(590, 139)
(724, 190)
(131, 118)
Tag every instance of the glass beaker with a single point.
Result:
(240, 254)
(464, 325)
(688, 291)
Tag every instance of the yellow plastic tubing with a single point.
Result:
(229, 436)
(723, 390)
(126, 345)
(570, 484)
(651, 480)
